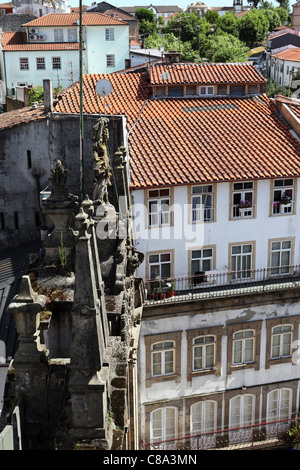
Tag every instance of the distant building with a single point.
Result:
(50, 46)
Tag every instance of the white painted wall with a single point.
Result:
(67, 75)
(97, 48)
(220, 233)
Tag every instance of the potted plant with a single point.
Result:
(162, 294)
(244, 206)
(285, 203)
(153, 294)
(171, 286)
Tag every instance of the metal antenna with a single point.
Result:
(103, 88)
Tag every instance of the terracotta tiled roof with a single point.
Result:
(16, 41)
(21, 116)
(71, 19)
(204, 73)
(292, 54)
(185, 141)
(128, 97)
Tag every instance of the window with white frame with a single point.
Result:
(206, 90)
(242, 199)
(24, 63)
(283, 195)
(281, 252)
(204, 352)
(58, 35)
(241, 261)
(279, 404)
(56, 63)
(241, 411)
(159, 207)
(72, 35)
(162, 356)
(201, 261)
(243, 347)
(40, 63)
(163, 424)
(281, 341)
(204, 417)
(202, 203)
(110, 60)
(109, 34)
(159, 265)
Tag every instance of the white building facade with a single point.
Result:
(51, 49)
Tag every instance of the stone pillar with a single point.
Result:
(88, 381)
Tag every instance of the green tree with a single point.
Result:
(229, 23)
(211, 16)
(186, 26)
(143, 14)
(283, 14)
(273, 18)
(272, 89)
(254, 26)
(170, 42)
(36, 94)
(226, 48)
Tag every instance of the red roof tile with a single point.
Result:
(187, 141)
(17, 41)
(204, 73)
(21, 116)
(292, 54)
(71, 19)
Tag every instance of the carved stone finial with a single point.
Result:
(101, 169)
(58, 175)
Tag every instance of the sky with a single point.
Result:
(179, 3)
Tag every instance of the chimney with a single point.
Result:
(48, 95)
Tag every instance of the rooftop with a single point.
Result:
(212, 139)
(292, 54)
(72, 19)
(22, 116)
(205, 73)
(17, 41)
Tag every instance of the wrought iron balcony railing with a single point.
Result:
(203, 285)
(267, 434)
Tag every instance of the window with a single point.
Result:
(175, 91)
(110, 60)
(279, 403)
(158, 207)
(201, 261)
(204, 352)
(163, 354)
(71, 35)
(58, 35)
(202, 203)
(283, 194)
(243, 347)
(203, 417)
(281, 341)
(242, 199)
(2, 221)
(109, 34)
(281, 252)
(241, 413)
(160, 265)
(28, 159)
(56, 63)
(16, 220)
(40, 63)
(206, 90)
(163, 424)
(241, 261)
(24, 63)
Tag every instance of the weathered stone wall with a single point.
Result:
(47, 140)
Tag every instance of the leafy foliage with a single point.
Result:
(36, 94)
(272, 89)
(225, 47)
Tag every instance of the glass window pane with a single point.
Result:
(236, 249)
(286, 245)
(165, 270)
(196, 254)
(165, 257)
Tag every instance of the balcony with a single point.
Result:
(217, 284)
(269, 434)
